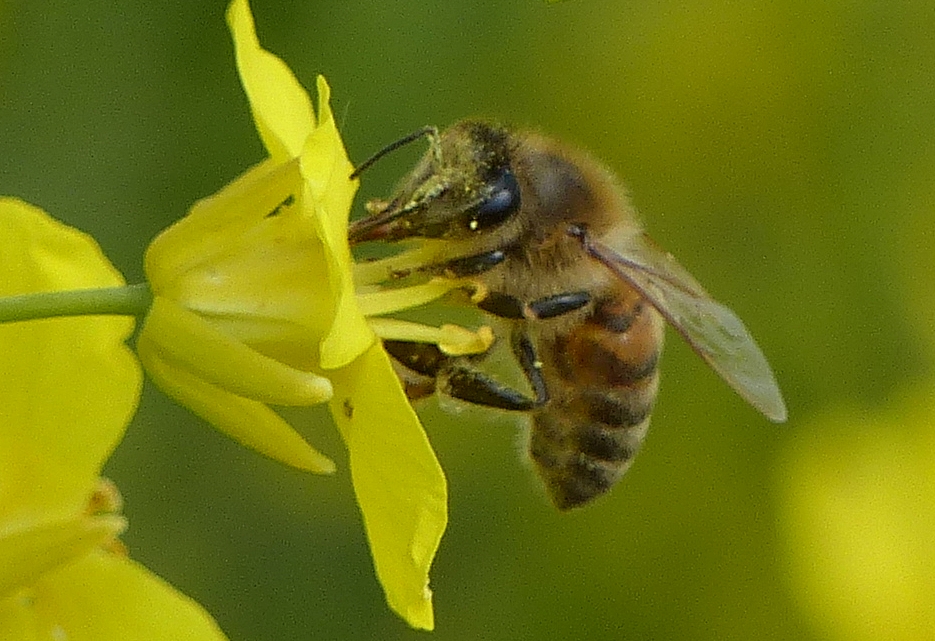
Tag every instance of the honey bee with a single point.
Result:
(553, 243)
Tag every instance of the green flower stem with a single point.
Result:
(131, 300)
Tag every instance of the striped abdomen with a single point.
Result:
(602, 378)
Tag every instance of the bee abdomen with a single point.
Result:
(578, 455)
(603, 377)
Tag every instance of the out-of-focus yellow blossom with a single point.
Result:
(68, 387)
(254, 305)
(857, 493)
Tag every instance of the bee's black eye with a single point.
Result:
(501, 201)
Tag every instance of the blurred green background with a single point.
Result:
(785, 152)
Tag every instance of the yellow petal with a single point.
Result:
(281, 108)
(222, 223)
(399, 484)
(191, 344)
(327, 170)
(105, 598)
(247, 421)
(68, 386)
(26, 555)
(326, 167)
(41, 254)
(249, 260)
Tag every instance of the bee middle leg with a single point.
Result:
(506, 306)
(428, 367)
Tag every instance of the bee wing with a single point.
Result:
(713, 331)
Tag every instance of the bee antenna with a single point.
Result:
(429, 132)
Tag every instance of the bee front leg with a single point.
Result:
(471, 265)
(430, 369)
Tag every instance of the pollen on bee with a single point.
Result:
(480, 291)
(474, 224)
(376, 206)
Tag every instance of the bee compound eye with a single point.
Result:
(501, 201)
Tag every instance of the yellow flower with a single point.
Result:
(68, 387)
(254, 305)
(857, 491)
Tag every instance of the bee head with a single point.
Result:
(463, 186)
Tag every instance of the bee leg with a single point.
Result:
(416, 386)
(417, 366)
(532, 367)
(552, 306)
(473, 265)
(506, 306)
(429, 368)
(473, 386)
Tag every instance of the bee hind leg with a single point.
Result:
(429, 369)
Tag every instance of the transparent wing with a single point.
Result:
(713, 331)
